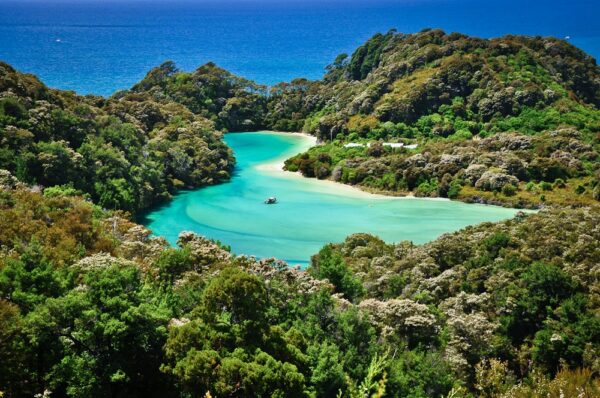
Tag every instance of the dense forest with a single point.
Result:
(512, 120)
(126, 154)
(92, 305)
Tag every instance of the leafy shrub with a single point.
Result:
(509, 190)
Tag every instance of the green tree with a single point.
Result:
(102, 338)
(545, 286)
(229, 348)
(30, 279)
(329, 264)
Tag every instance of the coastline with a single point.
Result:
(276, 168)
(294, 229)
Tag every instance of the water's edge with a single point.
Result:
(310, 212)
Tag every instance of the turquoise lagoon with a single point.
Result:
(309, 212)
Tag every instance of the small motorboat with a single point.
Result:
(271, 201)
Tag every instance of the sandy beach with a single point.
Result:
(330, 187)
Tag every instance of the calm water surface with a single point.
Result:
(310, 212)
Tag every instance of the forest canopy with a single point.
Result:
(128, 153)
(91, 305)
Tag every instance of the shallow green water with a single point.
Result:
(309, 212)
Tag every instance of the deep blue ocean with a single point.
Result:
(95, 46)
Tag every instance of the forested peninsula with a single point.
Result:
(92, 305)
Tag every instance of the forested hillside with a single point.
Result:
(232, 102)
(408, 78)
(92, 306)
(512, 120)
(127, 153)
